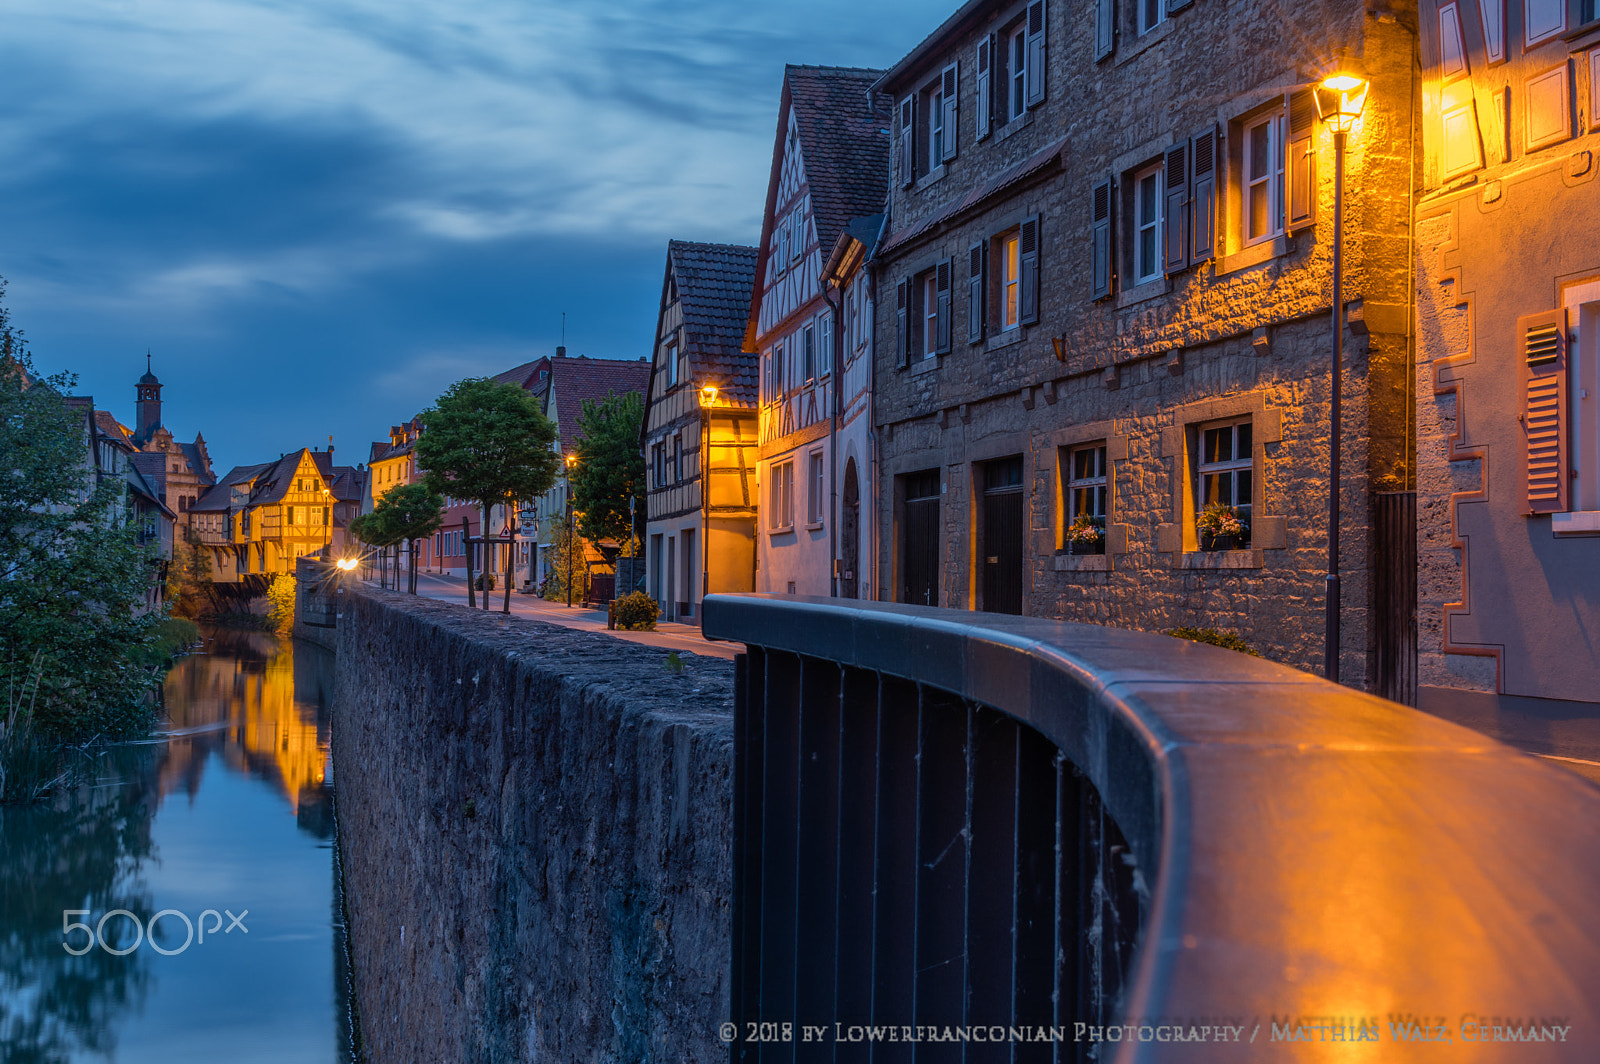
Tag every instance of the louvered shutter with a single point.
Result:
(904, 156)
(1105, 28)
(1177, 5)
(1028, 270)
(1203, 195)
(1100, 254)
(1175, 234)
(1034, 77)
(1543, 338)
(1300, 167)
(948, 101)
(902, 316)
(975, 298)
(941, 318)
(985, 104)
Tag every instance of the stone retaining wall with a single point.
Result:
(535, 827)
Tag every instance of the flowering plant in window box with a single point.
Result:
(1086, 535)
(1222, 528)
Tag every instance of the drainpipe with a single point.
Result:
(835, 374)
(705, 512)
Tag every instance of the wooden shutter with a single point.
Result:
(948, 99)
(1177, 5)
(941, 307)
(1100, 254)
(1034, 77)
(1543, 338)
(902, 316)
(1028, 270)
(1105, 28)
(985, 106)
(1300, 167)
(975, 300)
(1203, 195)
(1175, 225)
(905, 157)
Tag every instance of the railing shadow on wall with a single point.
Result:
(1115, 843)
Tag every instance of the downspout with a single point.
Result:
(872, 397)
(705, 512)
(835, 373)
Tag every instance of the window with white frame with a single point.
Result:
(930, 314)
(809, 345)
(815, 498)
(935, 113)
(824, 344)
(1263, 179)
(1151, 14)
(670, 355)
(1086, 482)
(1225, 467)
(781, 495)
(1017, 73)
(1010, 280)
(1147, 205)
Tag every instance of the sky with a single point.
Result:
(318, 214)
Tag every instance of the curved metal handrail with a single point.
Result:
(1322, 858)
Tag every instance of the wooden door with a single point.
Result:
(1002, 536)
(920, 540)
(850, 534)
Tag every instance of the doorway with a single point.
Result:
(850, 534)
(1002, 535)
(920, 539)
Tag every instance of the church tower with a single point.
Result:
(149, 404)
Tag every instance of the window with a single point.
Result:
(1225, 467)
(1010, 280)
(1147, 225)
(671, 358)
(291, 516)
(809, 344)
(930, 313)
(935, 112)
(658, 464)
(824, 344)
(676, 465)
(781, 495)
(1543, 19)
(780, 369)
(1017, 73)
(1151, 14)
(1263, 184)
(815, 489)
(1086, 482)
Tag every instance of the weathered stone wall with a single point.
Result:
(535, 829)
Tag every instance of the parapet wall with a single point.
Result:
(535, 829)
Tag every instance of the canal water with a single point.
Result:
(219, 833)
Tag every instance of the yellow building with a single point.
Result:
(258, 519)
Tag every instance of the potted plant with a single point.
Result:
(1086, 535)
(1221, 528)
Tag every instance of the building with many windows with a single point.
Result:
(1508, 366)
(180, 472)
(829, 175)
(258, 519)
(1104, 392)
(699, 436)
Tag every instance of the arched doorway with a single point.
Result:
(850, 534)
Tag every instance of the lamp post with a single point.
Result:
(1340, 99)
(566, 474)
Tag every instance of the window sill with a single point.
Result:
(1576, 523)
(1254, 255)
(1083, 563)
(813, 526)
(1143, 43)
(1003, 339)
(932, 177)
(782, 530)
(1139, 293)
(1217, 559)
(1017, 124)
(923, 365)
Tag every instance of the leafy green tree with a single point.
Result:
(610, 468)
(410, 513)
(73, 575)
(189, 583)
(280, 601)
(490, 443)
(567, 564)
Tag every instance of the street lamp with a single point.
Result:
(708, 395)
(1340, 99)
(571, 460)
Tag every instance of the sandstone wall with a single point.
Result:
(535, 828)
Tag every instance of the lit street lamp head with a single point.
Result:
(346, 564)
(708, 395)
(1340, 99)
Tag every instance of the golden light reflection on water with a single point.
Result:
(251, 701)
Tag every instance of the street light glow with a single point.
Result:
(346, 564)
(1340, 99)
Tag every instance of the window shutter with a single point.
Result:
(1028, 270)
(1100, 256)
(1034, 78)
(902, 316)
(1175, 235)
(985, 108)
(1177, 5)
(948, 99)
(1105, 28)
(1544, 354)
(1203, 195)
(975, 299)
(941, 319)
(904, 155)
(1300, 168)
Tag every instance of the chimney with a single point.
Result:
(561, 352)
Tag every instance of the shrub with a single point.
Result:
(173, 636)
(280, 598)
(636, 612)
(1226, 640)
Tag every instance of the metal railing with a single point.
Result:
(1055, 842)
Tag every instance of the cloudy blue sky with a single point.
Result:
(319, 213)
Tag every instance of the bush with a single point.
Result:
(1226, 640)
(484, 578)
(173, 636)
(280, 599)
(635, 612)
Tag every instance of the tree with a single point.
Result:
(567, 563)
(410, 513)
(280, 602)
(189, 583)
(610, 468)
(490, 443)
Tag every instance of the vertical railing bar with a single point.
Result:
(740, 904)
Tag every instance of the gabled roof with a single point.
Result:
(843, 129)
(525, 376)
(714, 284)
(153, 464)
(198, 461)
(572, 380)
(111, 428)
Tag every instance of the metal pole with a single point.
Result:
(1330, 667)
(567, 481)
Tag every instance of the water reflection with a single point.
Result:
(244, 759)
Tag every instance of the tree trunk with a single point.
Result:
(466, 546)
(488, 555)
(510, 540)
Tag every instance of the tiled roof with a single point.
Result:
(714, 283)
(524, 376)
(111, 427)
(152, 464)
(197, 460)
(574, 379)
(844, 139)
(1040, 159)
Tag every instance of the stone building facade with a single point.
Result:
(1108, 259)
(1507, 385)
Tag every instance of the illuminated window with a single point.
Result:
(1147, 225)
(1226, 473)
(1263, 184)
(1086, 481)
(1010, 280)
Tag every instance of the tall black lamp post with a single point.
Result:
(1340, 99)
(571, 534)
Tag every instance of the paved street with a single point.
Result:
(668, 636)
